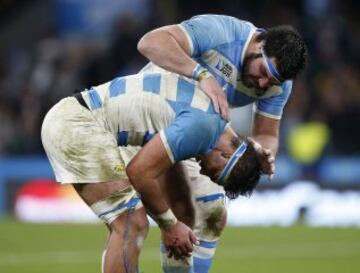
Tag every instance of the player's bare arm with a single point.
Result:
(144, 171)
(265, 131)
(176, 184)
(168, 47)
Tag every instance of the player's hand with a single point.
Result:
(178, 240)
(267, 160)
(217, 95)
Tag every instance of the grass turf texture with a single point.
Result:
(77, 248)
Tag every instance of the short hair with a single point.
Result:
(246, 173)
(287, 46)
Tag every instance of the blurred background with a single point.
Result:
(50, 48)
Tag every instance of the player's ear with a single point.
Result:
(226, 155)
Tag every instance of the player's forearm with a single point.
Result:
(266, 131)
(144, 171)
(154, 201)
(162, 49)
(150, 192)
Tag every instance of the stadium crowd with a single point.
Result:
(72, 54)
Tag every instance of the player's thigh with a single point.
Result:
(83, 152)
(112, 200)
(94, 192)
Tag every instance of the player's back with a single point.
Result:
(140, 105)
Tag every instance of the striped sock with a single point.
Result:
(203, 255)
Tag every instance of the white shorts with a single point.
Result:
(79, 147)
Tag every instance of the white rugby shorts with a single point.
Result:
(79, 148)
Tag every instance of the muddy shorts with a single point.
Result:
(79, 148)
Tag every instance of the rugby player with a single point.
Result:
(172, 120)
(236, 63)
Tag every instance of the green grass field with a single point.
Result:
(77, 248)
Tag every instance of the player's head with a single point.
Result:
(280, 55)
(233, 164)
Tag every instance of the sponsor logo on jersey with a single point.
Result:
(225, 68)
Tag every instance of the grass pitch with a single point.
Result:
(71, 248)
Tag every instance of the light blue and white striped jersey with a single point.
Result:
(136, 107)
(218, 43)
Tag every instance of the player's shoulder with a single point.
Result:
(231, 27)
(223, 19)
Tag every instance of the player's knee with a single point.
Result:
(140, 224)
(136, 220)
(139, 221)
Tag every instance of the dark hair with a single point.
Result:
(287, 46)
(245, 175)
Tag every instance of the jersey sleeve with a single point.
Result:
(206, 32)
(273, 107)
(191, 134)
